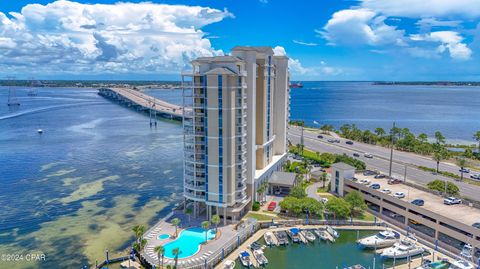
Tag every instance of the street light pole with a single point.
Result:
(391, 150)
(301, 138)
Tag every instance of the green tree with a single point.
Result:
(175, 253)
(422, 137)
(440, 139)
(205, 226)
(188, 211)
(356, 202)
(311, 206)
(461, 162)
(298, 192)
(476, 136)
(138, 231)
(176, 222)
(323, 178)
(216, 221)
(160, 250)
(380, 132)
(291, 204)
(439, 155)
(339, 207)
(442, 186)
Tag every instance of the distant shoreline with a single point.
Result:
(429, 83)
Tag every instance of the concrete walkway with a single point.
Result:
(312, 190)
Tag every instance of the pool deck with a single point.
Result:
(165, 227)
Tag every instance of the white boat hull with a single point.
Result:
(375, 243)
(391, 254)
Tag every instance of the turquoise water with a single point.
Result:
(163, 236)
(188, 242)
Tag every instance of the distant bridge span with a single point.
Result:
(143, 102)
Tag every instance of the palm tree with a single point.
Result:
(439, 155)
(439, 137)
(175, 253)
(160, 250)
(422, 137)
(138, 230)
(216, 220)
(138, 246)
(188, 211)
(323, 178)
(461, 162)
(476, 136)
(176, 222)
(205, 226)
(379, 131)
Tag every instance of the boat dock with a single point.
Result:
(301, 235)
(142, 102)
(253, 259)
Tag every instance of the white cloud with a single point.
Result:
(310, 44)
(66, 36)
(376, 23)
(297, 69)
(424, 8)
(360, 26)
(449, 40)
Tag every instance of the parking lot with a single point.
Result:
(467, 214)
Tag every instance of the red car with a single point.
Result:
(394, 181)
(272, 206)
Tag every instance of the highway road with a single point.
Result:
(401, 160)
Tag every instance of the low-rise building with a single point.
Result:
(449, 226)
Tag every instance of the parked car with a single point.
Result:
(272, 206)
(337, 140)
(349, 142)
(375, 186)
(399, 194)
(475, 176)
(320, 136)
(368, 155)
(476, 225)
(356, 154)
(324, 200)
(386, 191)
(465, 170)
(331, 140)
(364, 181)
(369, 173)
(452, 201)
(379, 176)
(394, 181)
(418, 202)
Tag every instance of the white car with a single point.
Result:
(364, 181)
(399, 194)
(324, 200)
(475, 176)
(368, 155)
(452, 201)
(387, 191)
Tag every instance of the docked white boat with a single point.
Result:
(403, 249)
(332, 232)
(382, 239)
(461, 264)
(309, 236)
(268, 236)
(321, 234)
(228, 264)
(260, 257)
(245, 259)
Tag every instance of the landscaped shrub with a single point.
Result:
(256, 206)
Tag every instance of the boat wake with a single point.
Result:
(47, 108)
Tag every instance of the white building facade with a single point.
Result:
(235, 127)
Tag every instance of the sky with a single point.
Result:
(401, 40)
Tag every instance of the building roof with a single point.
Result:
(283, 178)
(217, 59)
(220, 71)
(260, 49)
(342, 166)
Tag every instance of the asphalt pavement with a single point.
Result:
(402, 161)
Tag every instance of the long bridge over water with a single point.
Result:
(142, 102)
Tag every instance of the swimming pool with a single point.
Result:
(188, 242)
(163, 236)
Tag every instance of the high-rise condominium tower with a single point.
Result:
(235, 127)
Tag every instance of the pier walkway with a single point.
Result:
(143, 102)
